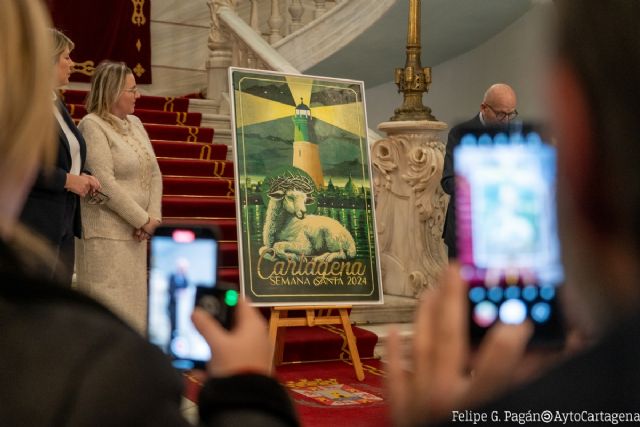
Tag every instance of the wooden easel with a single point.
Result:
(315, 315)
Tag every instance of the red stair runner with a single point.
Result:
(193, 167)
(179, 118)
(160, 103)
(192, 150)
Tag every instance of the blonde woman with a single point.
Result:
(111, 257)
(52, 208)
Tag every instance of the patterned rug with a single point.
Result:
(327, 394)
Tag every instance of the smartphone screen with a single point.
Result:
(507, 231)
(183, 262)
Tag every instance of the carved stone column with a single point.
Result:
(220, 54)
(275, 22)
(296, 10)
(410, 204)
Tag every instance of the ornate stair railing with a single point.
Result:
(234, 42)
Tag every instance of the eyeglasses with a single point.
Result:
(97, 198)
(501, 115)
(133, 90)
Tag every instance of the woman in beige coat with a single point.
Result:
(111, 257)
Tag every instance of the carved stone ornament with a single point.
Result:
(410, 205)
(218, 35)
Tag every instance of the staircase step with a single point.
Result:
(179, 118)
(190, 186)
(161, 103)
(190, 150)
(179, 133)
(396, 309)
(229, 254)
(226, 226)
(231, 275)
(196, 168)
(199, 206)
(382, 331)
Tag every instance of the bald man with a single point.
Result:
(498, 107)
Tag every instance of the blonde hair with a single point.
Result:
(26, 86)
(60, 42)
(106, 84)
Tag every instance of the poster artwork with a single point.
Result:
(306, 229)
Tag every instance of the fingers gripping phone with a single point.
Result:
(506, 229)
(183, 274)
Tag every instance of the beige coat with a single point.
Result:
(111, 264)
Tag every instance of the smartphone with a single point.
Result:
(506, 225)
(183, 273)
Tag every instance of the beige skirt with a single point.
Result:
(114, 272)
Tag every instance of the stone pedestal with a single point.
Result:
(410, 204)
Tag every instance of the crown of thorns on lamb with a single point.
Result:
(290, 233)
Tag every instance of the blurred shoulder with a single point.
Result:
(134, 120)
(92, 121)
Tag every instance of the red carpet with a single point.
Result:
(198, 188)
(191, 150)
(159, 103)
(179, 118)
(320, 343)
(179, 133)
(195, 167)
(327, 394)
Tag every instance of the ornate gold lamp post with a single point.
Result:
(413, 80)
(410, 204)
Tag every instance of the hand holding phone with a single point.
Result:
(184, 265)
(506, 224)
(440, 380)
(219, 302)
(243, 349)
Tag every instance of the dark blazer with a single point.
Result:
(448, 182)
(47, 206)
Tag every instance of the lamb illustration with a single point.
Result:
(289, 233)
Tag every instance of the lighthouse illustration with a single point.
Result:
(306, 153)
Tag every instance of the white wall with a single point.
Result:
(515, 56)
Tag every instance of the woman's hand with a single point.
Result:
(81, 184)
(244, 349)
(140, 235)
(151, 225)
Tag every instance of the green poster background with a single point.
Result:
(306, 229)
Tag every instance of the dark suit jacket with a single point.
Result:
(48, 205)
(448, 182)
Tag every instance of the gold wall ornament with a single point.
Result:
(138, 17)
(413, 80)
(87, 68)
(138, 45)
(139, 70)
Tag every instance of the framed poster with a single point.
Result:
(306, 227)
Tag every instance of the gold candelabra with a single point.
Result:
(413, 80)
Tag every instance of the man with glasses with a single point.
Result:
(498, 108)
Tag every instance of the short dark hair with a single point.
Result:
(601, 41)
